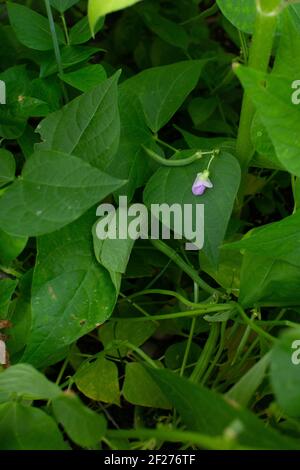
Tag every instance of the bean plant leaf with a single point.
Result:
(27, 428)
(23, 381)
(99, 380)
(86, 78)
(97, 9)
(272, 96)
(84, 426)
(7, 167)
(31, 28)
(63, 308)
(55, 189)
(88, 127)
(240, 13)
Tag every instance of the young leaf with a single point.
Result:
(31, 28)
(71, 293)
(99, 380)
(140, 389)
(83, 426)
(27, 428)
(88, 127)
(97, 9)
(55, 189)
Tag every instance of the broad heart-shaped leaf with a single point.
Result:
(88, 127)
(63, 5)
(99, 381)
(27, 428)
(140, 389)
(173, 185)
(279, 240)
(240, 13)
(207, 412)
(7, 167)
(99, 8)
(272, 96)
(55, 189)
(285, 377)
(31, 28)
(268, 282)
(23, 381)
(71, 293)
(84, 426)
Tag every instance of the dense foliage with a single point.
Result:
(123, 344)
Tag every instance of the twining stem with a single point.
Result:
(259, 58)
(168, 251)
(191, 334)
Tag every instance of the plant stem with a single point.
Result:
(63, 20)
(55, 45)
(259, 58)
(206, 354)
(168, 251)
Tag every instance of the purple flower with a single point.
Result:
(201, 183)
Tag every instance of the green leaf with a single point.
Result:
(63, 5)
(272, 96)
(209, 413)
(10, 247)
(31, 28)
(269, 282)
(83, 426)
(98, 9)
(167, 30)
(244, 389)
(279, 240)
(26, 428)
(240, 13)
(85, 78)
(70, 56)
(174, 355)
(285, 377)
(135, 332)
(22, 380)
(173, 185)
(140, 389)
(98, 380)
(162, 90)
(7, 288)
(88, 127)
(71, 293)
(7, 167)
(55, 189)
(81, 32)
